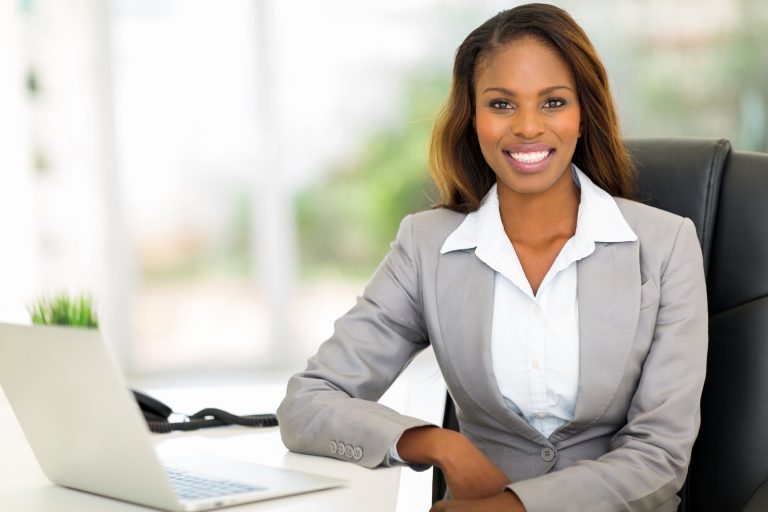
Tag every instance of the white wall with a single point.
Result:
(19, 259)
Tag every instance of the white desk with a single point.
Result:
(24, 487)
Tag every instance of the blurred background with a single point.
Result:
(224, 175)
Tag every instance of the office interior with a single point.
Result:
(223, 176)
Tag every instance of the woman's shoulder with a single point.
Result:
(431, 227)
(438, 217)
(657, 230)
(646, 219)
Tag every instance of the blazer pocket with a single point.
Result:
(649, 294)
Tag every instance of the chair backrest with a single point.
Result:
(725, 193)
(682, 176)
(730, 458)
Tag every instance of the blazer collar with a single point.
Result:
(599, 220)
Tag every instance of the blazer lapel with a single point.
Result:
(609, 309)
(465, 287)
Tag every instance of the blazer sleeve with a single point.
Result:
(649, 456)
(330, 408)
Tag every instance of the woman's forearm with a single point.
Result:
(468, 472)
(424, 445)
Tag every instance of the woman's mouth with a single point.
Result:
(529, 160)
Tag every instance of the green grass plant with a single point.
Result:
(62, 309)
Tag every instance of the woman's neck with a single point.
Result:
(540, 218)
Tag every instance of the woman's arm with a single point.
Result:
(506, 501)
(476, 484)
(469, 474)
(330, 408)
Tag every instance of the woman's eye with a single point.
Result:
(501, 104)
(554, 103)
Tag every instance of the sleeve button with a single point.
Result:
(357, 453)
(348, 451)
(333, 447)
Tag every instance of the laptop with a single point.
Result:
(87, 432)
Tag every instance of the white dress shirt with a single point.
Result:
(535, 338)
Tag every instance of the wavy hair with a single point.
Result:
(456, 163)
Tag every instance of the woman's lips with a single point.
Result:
(529, 159)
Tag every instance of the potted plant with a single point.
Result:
(63, 309)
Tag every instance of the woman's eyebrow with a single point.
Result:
(543, 92)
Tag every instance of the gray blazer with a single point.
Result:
(643, 343)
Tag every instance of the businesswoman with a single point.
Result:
(569, 322)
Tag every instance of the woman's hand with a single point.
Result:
(506, 501)
(468, 472)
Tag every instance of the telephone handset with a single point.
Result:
(157, 415)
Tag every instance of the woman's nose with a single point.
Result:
(527, 124)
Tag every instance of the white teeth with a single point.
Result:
(530, 158)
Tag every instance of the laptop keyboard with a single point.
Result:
(194, 487)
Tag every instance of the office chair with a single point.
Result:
(725, 194)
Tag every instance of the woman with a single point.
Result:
(569, 322)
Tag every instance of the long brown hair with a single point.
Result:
(456, 163)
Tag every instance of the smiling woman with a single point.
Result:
(457, 158)
(569, 322)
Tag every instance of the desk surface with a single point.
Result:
(25, 488)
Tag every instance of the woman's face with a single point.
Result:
(527, 116)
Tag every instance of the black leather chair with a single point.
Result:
(725, 193)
